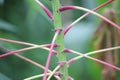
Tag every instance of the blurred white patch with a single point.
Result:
(1, 2)
(79, 36)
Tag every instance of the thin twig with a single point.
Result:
(86, 14)
(52, 73)
(86, 55)
(25, 49)
(47, 11)
(50, 54)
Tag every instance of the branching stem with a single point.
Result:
(60, 39)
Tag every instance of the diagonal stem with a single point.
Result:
(86, 14)
(103, 50)
(25, 49)
(46, 10)
(90, 11)
(52, 73)
(18, 42)
(50, 54)
(28, 60)
(86, 55)
(36, 76)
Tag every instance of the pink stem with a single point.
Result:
(28, 44)
(100, 16)
(47, 11)
(49, 45)
(18, 42)
(20, 50)
(104, 63)
(13, 52)
(50, 54)
(86, 14)
(97, 60)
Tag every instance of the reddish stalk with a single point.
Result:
(36, 64)
(50, 54)
(18, 42)
(87, 10)
(21, 50)
(24, 58)
(25, 43)
(46, 10)
(86, 55)
(16, 51)
(104, 63)
(86, 14)
(97, 60)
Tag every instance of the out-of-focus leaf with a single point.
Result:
(116, 7)
(1, 2)
(7, 26)
(77, 39)
(3, 77)
(36, 7)
(33, 26)
(79, 35)
(108, 37)
(94, 69)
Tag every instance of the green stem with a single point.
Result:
(60, 40)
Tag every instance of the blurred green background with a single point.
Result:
(24, 20)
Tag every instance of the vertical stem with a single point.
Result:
(60, 40)
(50, 54)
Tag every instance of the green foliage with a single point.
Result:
(24, 20)
(4, 77)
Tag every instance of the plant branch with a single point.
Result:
(52, 73)
(60, 39)
(50, 54)
(47, 11)
(18, 42)
(103, 50)
(36, 64)
(25, 49)
(86, 14)
(90, 11)
(86, 55)
(28, 60)
(36, 76)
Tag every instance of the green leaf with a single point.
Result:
(34, 5)
(3, 77)
(1, 2)
(7, 26)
